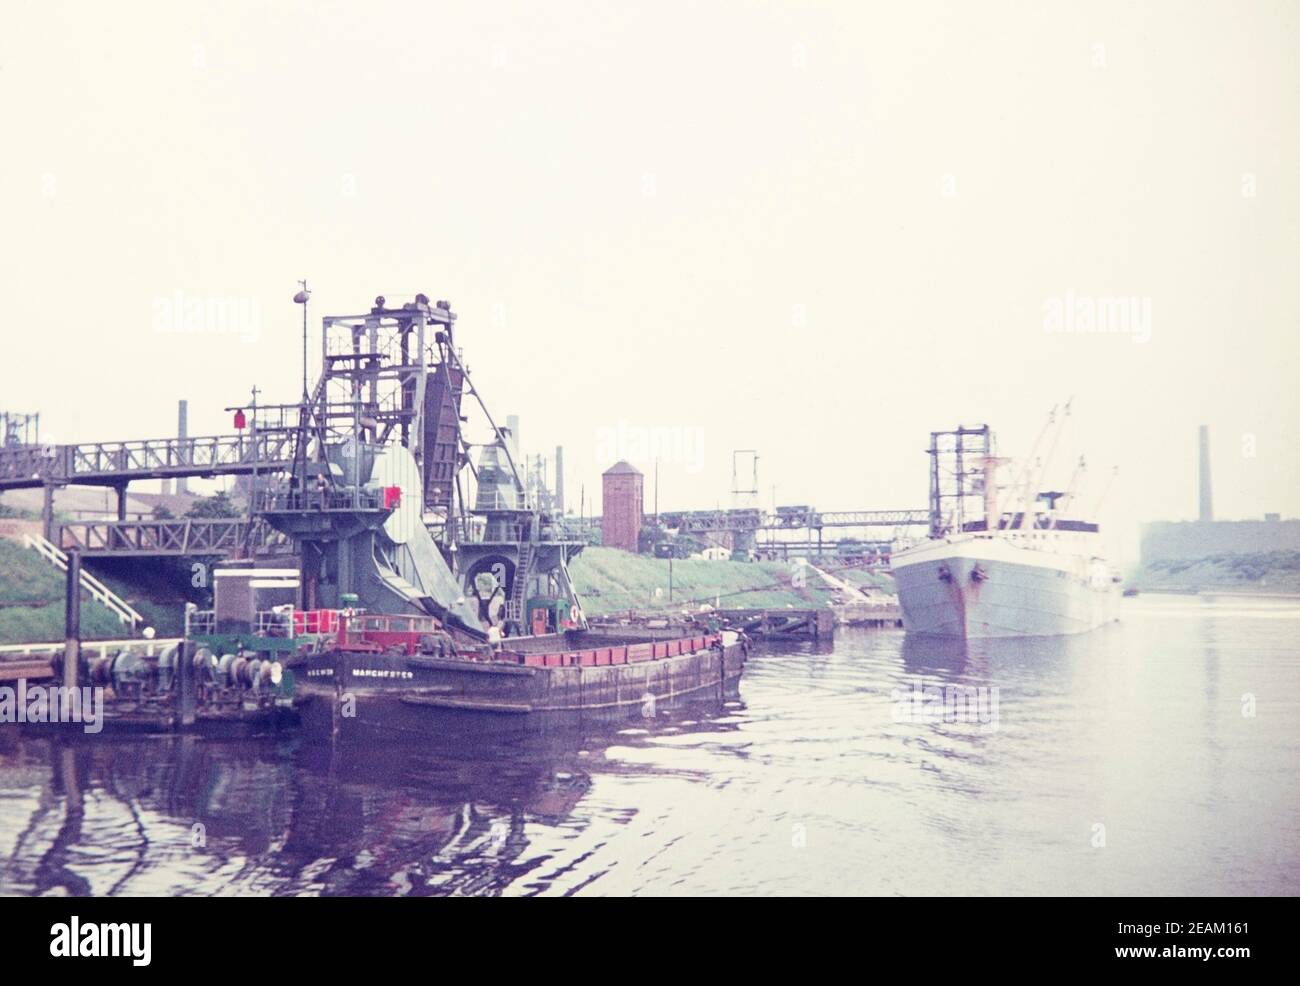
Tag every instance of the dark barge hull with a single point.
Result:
(417, 691)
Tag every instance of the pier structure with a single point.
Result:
(267, 449)
(392, 372)
(797, 530)
(118, 464)
(391, 376)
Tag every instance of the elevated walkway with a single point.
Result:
(209, 536)
(118, 463)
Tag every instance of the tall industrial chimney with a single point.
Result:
(559, 479)
(1207, 502)
(182, 432)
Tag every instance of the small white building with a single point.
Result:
(714, 553)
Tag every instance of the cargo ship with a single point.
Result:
(1001, 562)
(429, 580)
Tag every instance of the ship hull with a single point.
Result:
(417, 691)
(988, 588)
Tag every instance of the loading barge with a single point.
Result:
(429, 580)
(395, 670)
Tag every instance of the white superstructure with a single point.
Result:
(1028, 571)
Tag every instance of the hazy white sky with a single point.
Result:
(818, 230)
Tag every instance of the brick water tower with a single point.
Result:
(621, 506)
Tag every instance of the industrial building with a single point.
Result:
(1192, 539)
(622, 507)
(1205, 537)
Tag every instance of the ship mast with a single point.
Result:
(1035, 477)
(1067, 498)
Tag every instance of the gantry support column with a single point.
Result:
(47, 512)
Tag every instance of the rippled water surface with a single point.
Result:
(1157, 756)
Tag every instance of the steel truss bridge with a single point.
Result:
(785, 531)
(116, 464)
(787, 519)
(269, 448)
(213, 537)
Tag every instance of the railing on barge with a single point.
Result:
(605, 656)
(421, 635)
(284, 629)
(412, 635)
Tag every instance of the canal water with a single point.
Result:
(1157, 756)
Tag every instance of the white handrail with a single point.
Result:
(101, 593)
(150, 647)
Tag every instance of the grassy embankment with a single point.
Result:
(1260, 572)
(872, 582)
(608, 580)
(612, 581)
(31, 602)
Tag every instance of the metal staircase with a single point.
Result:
(519, 587)
(99, 592)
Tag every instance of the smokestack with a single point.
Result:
(559, 479)
(182, 432)
(1207, 502)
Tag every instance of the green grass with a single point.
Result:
(25, 625)
(608, 580)
(1260, 571)
(26, 577)
(612, 581)
(156, 589)
(31, 602)
(860, 577)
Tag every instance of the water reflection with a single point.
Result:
(815, 781)
(1043, 657)
(368, 813)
